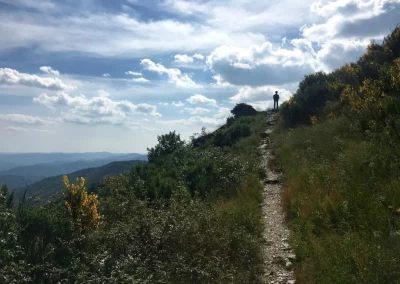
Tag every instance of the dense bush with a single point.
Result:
(242, 109)
(316, 90)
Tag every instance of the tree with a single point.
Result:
(167, 144)
(243, 109)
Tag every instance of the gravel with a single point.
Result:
(279, 257)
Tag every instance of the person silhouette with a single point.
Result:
(276, 100)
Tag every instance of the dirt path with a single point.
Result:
(278, 256)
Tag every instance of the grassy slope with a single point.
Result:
(342, 182)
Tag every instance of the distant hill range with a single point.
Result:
(25, 175)
(12, 160)
(51, 186)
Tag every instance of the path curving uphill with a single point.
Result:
(277, 253)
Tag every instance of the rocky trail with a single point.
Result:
(278, 255)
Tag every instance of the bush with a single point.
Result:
(242, 109)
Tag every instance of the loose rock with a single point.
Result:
(278, 255)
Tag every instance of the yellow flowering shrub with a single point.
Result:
(81, 206)
(314, 119)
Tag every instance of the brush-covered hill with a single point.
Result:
(50, 186)
(339, 147)
(26, 175)
(189, 215)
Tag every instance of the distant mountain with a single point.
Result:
(10, 160)
(26, 175)
(16, 181)
(53, 185)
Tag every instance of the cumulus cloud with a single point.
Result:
(22, 119)
(183, 58)
(133, 73)
(13, 77)
(174, 74)
(263, 64)
(249, 94)
(174, 103)
(106, 75)
(217, 119)
(197, 110)
(100, 109)
(200, 99)
(352, 19)
(199, 56)
(177, 104)
(49, 70)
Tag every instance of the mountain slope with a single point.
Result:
(52, 185)
(16, 181)
(10, 160)
(25, 175)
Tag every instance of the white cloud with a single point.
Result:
(197, 110)
(217, 119)
(106, 75)
(199, 56)
(177, 104)
(96, 110)
(249, 94)
(113, 34)
(183, 58)
(352, 19)
(140, 80)
(12, 77)
(174, 74)
(49, 70)
(263, 64)
(200, 99)
(133, 73)
(22, 119)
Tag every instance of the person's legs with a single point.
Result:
(275, 104)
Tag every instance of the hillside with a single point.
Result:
(338, 145)
(52, 185)
(16, 181)
(189, 215)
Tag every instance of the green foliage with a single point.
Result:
(243, 109)
(342, 197)
(191, 215)
(167, 144)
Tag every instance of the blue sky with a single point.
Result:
(79, 76)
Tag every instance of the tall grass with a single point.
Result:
(340, 197)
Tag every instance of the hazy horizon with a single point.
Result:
(94, 76)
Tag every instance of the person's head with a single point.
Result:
(276, 92)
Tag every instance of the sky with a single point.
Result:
(102, 75)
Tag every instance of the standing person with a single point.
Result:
(276, 100)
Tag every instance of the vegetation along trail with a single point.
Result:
(278, 256)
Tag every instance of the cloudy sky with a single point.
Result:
(101, 75)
